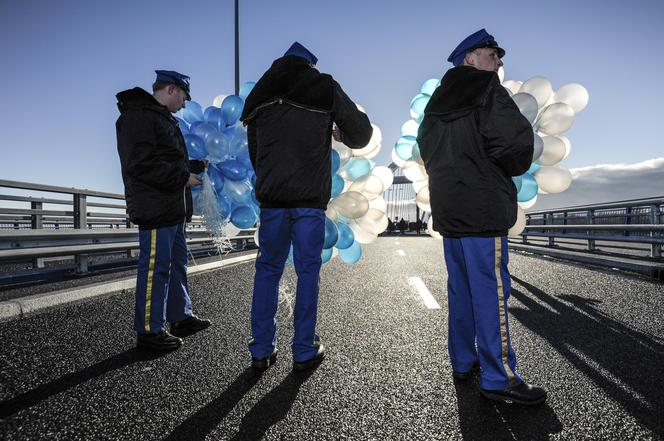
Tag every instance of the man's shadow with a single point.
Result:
(66, 382)
(595, 343)
(481, 419)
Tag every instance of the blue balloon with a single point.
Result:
(204, 130)
(518, 182)
(326, 255)
(215, 118)
(216, 179)
(184, 127)
(244, 217)
(357, 167)
(233, 170)
(195, 146)
(351, 254)
(404, 147)
(429, 86)
(224, 205)
(239, 145)
(206, 113)
(528, 188)
(246, 162)
(533, 168)
(337, 185)
(192, 112)
(231, 109)
(245, 89)
(346, 236)
(253, 198)
(331, 233)
(238, 191)
(217, 148)
(336, 161)
(289, 259)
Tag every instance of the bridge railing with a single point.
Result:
(76, 222)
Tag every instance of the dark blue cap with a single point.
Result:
(298, 50)
(474, 41)
(172, 77)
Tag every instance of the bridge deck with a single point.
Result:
(593, 339)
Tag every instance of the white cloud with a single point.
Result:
(609, 183)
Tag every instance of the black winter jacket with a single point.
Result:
(289, 115)
(472, 140)
(154, 161)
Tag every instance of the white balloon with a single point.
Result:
(554, 150)
(374, 221)
(568, 145)
(419, 185)
(345, 152)
(373, 154)
(369, 185)
(332, 213)
(362, 236)
(231, 230)
(360, 108)
(397, 160)
(335, 253)
(501, 74)
(433, 233)
(409, 128)
(256, 236)
(527, 104)
(520, 223)
(556, 119)
(538, 147)
(385, 175)
(513, 86)
(573, 94)
(423, 199)
(374, 143)
(414, 171)
(528, 204)
(553, 179)
(379, 204)
(351, 204)
(540, 88)
(218, 100)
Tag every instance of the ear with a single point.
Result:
(470, 58)
(171, 89)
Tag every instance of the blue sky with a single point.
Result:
(64, 61)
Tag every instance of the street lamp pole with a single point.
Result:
(237, 49)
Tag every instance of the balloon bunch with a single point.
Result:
(550, 114)
(356, 211)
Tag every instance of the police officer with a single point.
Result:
(473, 139)
(290, 115)
(157, 176)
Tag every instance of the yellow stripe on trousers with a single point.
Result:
(503, 313)
(148, 291)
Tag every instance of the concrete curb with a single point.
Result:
(17, 308)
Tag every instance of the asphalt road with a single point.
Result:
(593, 339)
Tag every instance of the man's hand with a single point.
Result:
(336, 134)
(193, 180)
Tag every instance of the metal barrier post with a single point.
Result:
(37, 223)
(655, 248)
(81, 222)
(548, 219)
(591, 220)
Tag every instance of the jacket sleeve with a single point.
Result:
(196, 166)
(251, 142)
(353, 124)
(140, 156)
(509, 136)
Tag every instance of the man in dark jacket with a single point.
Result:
(473, 139)
(157, 176)
(290, 115)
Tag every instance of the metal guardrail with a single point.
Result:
(40, 231)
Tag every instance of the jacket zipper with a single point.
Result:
(281, 101)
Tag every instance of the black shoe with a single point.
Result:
(462, 376)
(312, 362)
(162, 341)
(263, 363)
(189, 325)
(522, 393)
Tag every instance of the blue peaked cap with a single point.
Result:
(298, 50)
(474, 41)
(173, 77)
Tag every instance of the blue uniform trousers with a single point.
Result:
(478, 287)
(161, 283)
(305, 228)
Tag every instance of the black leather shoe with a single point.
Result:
(189, 325)
(162, 341)
(462, 376)
(523, 393)
(263, 363)
(312, 362)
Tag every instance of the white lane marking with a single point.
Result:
(401, 252)
(422, 289)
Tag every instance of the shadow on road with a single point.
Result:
(481, 419)
(62, 384)
(624, 362)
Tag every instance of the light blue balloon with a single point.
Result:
(244, 217)
(217, 148)
(204, 130)
(351, 254)
(429, 86)
(534, 167)
(224, 206)
(346, 236)
(404, 147)
(245, 89)
(357, 167)
(337, 185)
(239, 192)
(231, 109)
(206, 113)
(216, 179)
(233, 170)
(184, 127)
(326, 255)
(239, 145)
(195, 146)
(289, 259)
(336, 161)
(528, 188)
(215, 118)
(518, 182)
(331, 233)
(418, 105)
(192, 112)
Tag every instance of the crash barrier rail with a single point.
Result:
(632, 229)
(42, 231)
